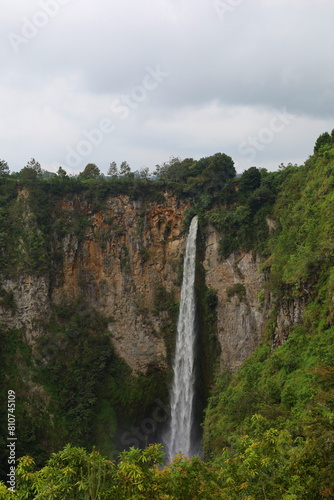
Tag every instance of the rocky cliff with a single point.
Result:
(124, 264)
(129, 254)
(126, 258)
(241, 315)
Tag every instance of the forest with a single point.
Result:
(268, 429)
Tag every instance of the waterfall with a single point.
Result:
(179, 439)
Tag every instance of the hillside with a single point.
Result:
(282, 398)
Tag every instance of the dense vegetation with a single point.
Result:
(269, 429)
(275, 416)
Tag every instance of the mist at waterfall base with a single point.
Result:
(182, 436)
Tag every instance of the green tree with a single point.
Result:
(91, 171)
(28, 174)
(136, 476)
(323, 140)
(171, 171)
(189, 479)
(4, 168)
(36, 166)
(112, 171)
(145, 173)
(62, 174)
(217, 171)
(250, 180)
(72, 474)
(124, 169)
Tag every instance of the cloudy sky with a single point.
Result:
(111, 80)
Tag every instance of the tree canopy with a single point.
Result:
(91, 171)
(4, 168)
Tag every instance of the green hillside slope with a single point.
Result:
(283, 399)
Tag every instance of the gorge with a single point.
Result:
(91, 275)
(116, 290)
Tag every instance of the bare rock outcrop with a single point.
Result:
(240, 312)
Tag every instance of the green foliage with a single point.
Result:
(279, 404)
(324, 142)
(242, 223)
(7, 299)
(193, 178)
(270, 464)
(291, 392)
(167, 308)
(238, 289)
(73, 474)
(186, 479)
(31, 171)
(104, 393)
(91, 171)
(302, 247)
(88, 397)
(282, 400)
(112, 171)
(250, 180)
(16, 371)
(4, 168)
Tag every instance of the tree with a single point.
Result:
(124, 169)
(4, 168)
(62, 174)
(28, 174)
(217, 171)
(71, 473)
(323, 140)
(173, 171)
(144, 173)
(91, 171)
(137, 474)
(112, 171)
(35, 165)
(250, 180)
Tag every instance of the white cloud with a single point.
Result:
(226, 78)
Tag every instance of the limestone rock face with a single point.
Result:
(240, 312)
(243, 304)
(128, 252)
(125, 253)
(290, 313)
(117, 263)
(31, 305)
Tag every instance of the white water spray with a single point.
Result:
(182, 394)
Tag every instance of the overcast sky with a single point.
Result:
(111, 80)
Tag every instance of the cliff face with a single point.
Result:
(126, 254)
(30, 305)
(124, 262)
(290, 313)
(244, 306)
(241, 313)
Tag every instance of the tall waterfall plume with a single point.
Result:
(179, 439)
